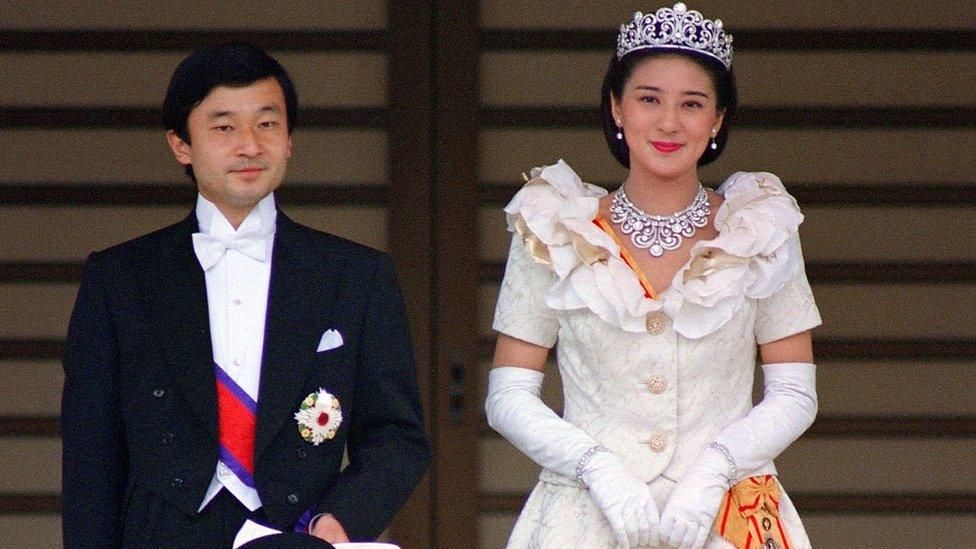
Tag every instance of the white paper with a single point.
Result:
(252, 531)
(331, 339)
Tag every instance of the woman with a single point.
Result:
(658, 297)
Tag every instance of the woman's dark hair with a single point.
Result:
(618, 73)
(233, 64)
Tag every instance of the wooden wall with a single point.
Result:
(866, 112)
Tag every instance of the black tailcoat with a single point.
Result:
(139, 410)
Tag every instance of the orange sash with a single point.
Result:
(749, 516)
(628, 259)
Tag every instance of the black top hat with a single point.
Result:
(288, 540)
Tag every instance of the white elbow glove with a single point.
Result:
(515, 410)
(788, 408)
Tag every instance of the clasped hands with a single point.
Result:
(629, 507)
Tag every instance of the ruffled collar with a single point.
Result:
(755, 253)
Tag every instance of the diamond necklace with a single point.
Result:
(659, 233)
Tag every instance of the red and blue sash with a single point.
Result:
(236, 420)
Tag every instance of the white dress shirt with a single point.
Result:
(237, 298)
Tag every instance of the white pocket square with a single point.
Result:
(331, 339)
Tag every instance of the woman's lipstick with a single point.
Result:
(666, 147)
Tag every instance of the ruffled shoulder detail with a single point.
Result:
(553, 213)
(755, 254)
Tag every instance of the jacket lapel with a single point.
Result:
(299, 296)
(177, 293)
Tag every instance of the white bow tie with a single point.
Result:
(209, 247)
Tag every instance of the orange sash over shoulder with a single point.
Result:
(628, 259)
(749, 516)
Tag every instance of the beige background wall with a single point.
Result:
(865, 120)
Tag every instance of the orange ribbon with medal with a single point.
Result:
(749, 515)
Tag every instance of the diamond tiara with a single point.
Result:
(676, 29)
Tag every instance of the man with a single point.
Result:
(216, 370)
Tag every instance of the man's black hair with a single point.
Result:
(233, 64)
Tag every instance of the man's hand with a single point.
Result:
(328, 528)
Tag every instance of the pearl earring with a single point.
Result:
(713, 145)
(620, 131)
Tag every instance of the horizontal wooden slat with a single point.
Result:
(815, 194)
(873, 234)
(912, 503)
(893, 426)
(832, 503)
(140, 79)
(826, 427)
(892, 273)
(831, 529)
(863, 311)
(67, 233)
(812, 464)
(893, 349)
(843, 349)
(747, 39)
(825, 156)
(810, 17)
(31, 464)
(570, 78)
(819, 15)
(134, 117)
(12, 503)
(849, 350)
(839, 272)
(75, 194)
(856, 78)
(915, 388)
(42, 309)
(36, 271)
(184, 40)
(882, 234)
(366, 225)
(30, 388)
(898, 531)
(30, 426)
(901, 530)
(35, 530)
(752, 117)
(36, 310)
(141, 155)
(26, 233)
(878, 465)
(884, 194)
(925, 310)
(824, 273)
(12, 348)
(139, 15)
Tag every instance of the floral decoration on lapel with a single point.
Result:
(319, 417)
